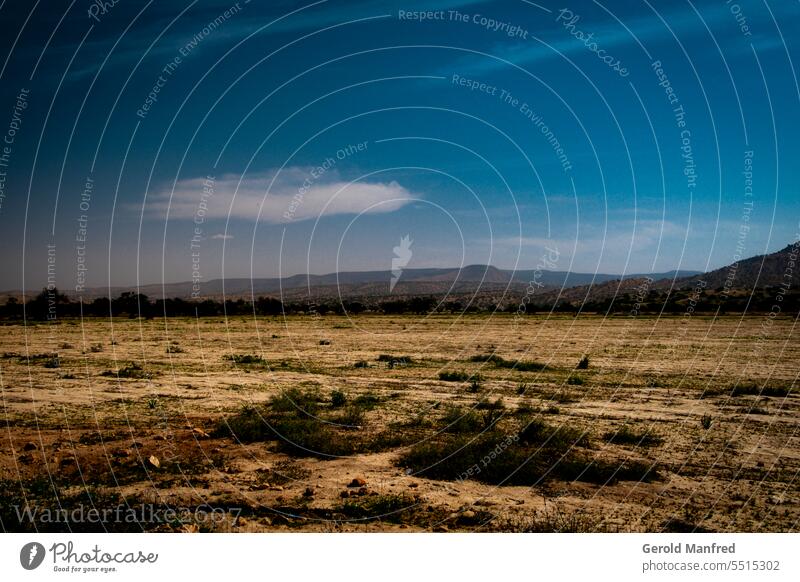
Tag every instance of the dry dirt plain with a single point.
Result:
(337, 424)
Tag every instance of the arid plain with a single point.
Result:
(379, 423)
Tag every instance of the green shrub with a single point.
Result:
(458, 420)
(583, 364)
(575, 381)
(352, 417)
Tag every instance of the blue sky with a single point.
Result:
(288, 137)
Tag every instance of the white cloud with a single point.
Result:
(296, 194)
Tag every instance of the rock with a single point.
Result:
(154, 461)
(29, 447)
(413, 485)
(358, 482)
(363, 491)
(344, 494)
(276, 488)
(66, 462)
(159, 437)
(201, 433)
(309, 492)
(25, 459)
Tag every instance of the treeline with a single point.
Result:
(51, 304)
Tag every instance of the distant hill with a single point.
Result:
(431, 281)
(769, 270)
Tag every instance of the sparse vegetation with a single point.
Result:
(246, 359)
(627, 435)
(454, 376)
(583, 364)
(132, 370)
(519, 365)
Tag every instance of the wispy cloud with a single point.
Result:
(554, 41)
(293, 194)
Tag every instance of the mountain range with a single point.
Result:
(772, 269)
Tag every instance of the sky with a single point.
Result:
(148, 142)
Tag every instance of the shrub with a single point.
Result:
(132, 370)
(457, 420)
(338, 398)
(503, 458)
(450, 376)
(519, 365)
(389, 507)
(296, 401)
(245, 359)
(756, 390)
(485, 404)
(392, 361)
(474, 386)
(361, 364)
(367, 401)
(626, 435)
(583, 364)
(521, 389)
(352, 417)
(705, 421)
(575, 381)
(52, 362)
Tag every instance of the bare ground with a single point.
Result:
(677, 424)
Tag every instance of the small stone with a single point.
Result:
(357, 482)
(200, 433)
(468, 514)
(309, 492)
(154, 461)
(159, 437)
(413, 485)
